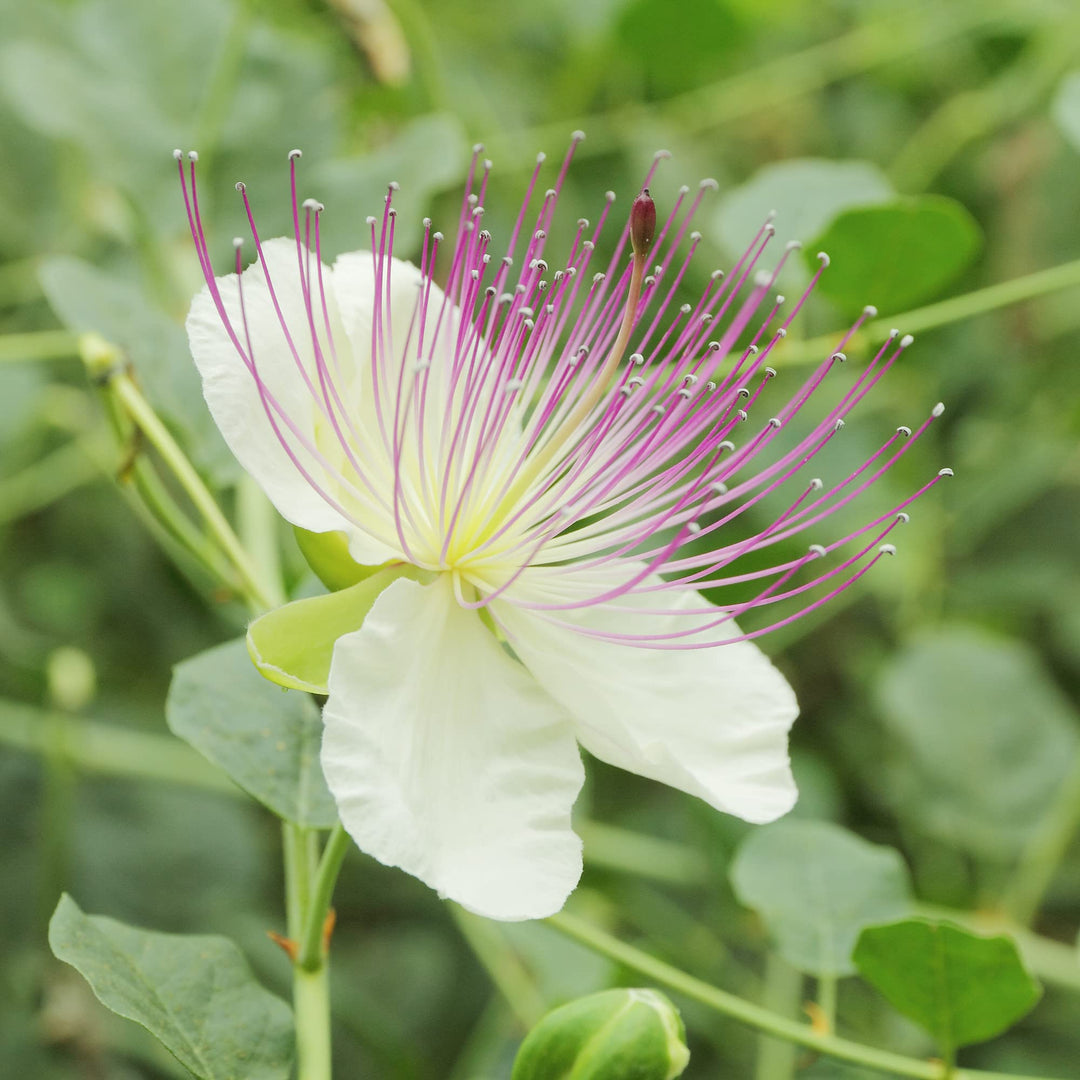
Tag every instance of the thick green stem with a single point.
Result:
(312, 948)
(757, 1016)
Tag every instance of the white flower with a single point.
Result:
(529, 486)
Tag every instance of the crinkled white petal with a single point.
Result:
(448, 760)
(712, 722)
(233, 396)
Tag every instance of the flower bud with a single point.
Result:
(613, 1035)
(642, 223)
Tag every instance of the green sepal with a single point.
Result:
(614, 1035)
(327, 553)
(292, 645)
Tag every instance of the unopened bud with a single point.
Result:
(613, 1035)
(642, 223)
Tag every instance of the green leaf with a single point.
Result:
(265, 739)
(293, 644)
(194, 993)
(984, 737)
(961, 987)
(816, 886)
(897, 255)
(806, 195)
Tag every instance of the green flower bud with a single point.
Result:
(614, 1035)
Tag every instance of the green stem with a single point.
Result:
(776, 1058)
(311, 987)
(757, 1016)
(150, 424)
(826, 999)
(39, 345)
(953, 310)
(312, 954)
(1044, 851)
(60, 472)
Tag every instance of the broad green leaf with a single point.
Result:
(961, 987)
(806, 195)
(293, 644)
(985, 738)
(266, 739)
(816, 886)
(194, 993)
(897, 255)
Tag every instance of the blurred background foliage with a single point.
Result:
(935, 146)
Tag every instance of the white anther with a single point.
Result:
(780, 298)
(474, 274)
(583, 222)
(838, 425)
(294, 154)
(683, 189)
(526, 311)
(637, 358)
(649, 281)
(437, 237)
(906, 340)
(769, 229)
(539, 234)
(770, 373)
(695, 237)
(588, 245)
(794, 245)
(193, 155)
(710, 386)
(762, 278)
(818, 550)
(178, 154)
(684, 392)
(693, 528)
(946, 472)
(558, 276)
(584, 350)
(904, 430)
(742, 392)
(371, 221)
(713, 346)
(520, 289)
(728, 445)
(507, 261)
(505, 298)
(528, 324)
(597, 278)
(719, 487)
(625, 390)
(577, 136)
(478, 148)
(609, 195)
(658, 409)
(485, 235)
(839, 356)
(816, 484)
(486, 259)
(473, 200)
(421, 365)
(426, 223)
(823, 259)
(870, 311)
(903, 517)
(887, 549)
(685, 309)
(706, 319)
(513, 385)
(490, 291)
(716, 275)
(938, 409)
(741, 414)
(781, 332)
(541, 158)
(894, 333)
(774, 422)
(661, 155)
(752, 350)
(689, 379)
(635, 380)
(549, 309)
(241, 186)
(238, 242)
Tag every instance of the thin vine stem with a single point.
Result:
(758, 1017)
(312, 951)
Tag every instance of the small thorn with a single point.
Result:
(291, 949)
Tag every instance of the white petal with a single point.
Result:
(448, 760)
(235, 403)
(711, 722)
